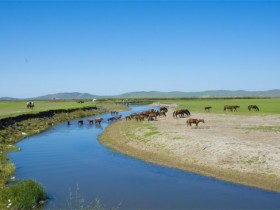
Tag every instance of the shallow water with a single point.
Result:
(72, 165)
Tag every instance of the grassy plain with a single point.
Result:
(266, 105)
(14, 108)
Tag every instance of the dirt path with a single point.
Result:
(238, 148)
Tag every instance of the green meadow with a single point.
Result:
(266, 105)
(14, 108)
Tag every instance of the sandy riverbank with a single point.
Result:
(236, 148)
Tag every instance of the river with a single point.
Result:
(74, 168)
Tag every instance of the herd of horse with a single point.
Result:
(153, 114)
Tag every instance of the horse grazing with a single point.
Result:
(162, 113)
(181, 112)
(230, 107)
(152, 116)
(30, 105)
(207, 108)
(254, 107)
(163, 108)
(235, 107)
(194, 121)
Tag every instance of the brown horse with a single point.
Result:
(98, 120)
(152, 116)
(194, 121)
(118, 117)
(231, 107)
(181, 112)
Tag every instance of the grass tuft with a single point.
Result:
(25, 194)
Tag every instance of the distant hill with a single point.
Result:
(202, 94)
(8, 99)
(74, 95)
(158, 94)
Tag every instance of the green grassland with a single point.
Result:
(14, 108)
(266, 105)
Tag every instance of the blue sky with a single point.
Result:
(113, 47)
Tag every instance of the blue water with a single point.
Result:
(70, 160)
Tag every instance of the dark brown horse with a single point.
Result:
(194, 121)
(90, 121)
(207, 108)
(162, 113)
(181, 112)
(231, 107)
(111, 119)
(254, 107)
(127, 118)
(163, 108)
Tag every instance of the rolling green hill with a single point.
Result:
(158, 94)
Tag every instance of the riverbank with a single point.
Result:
(236, 148)
(14, 129)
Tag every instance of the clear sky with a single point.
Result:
(113, 47)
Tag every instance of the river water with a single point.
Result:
(74, 168)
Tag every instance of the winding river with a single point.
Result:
(73, 166)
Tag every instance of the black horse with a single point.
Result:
(207, 108)
(163, 108)
(254, 107)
